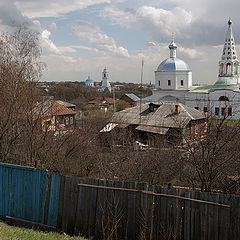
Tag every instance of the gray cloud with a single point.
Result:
(193, 24)
(92, 35)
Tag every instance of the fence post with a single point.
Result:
(234, 218)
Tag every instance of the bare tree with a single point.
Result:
(207, 162)
(20, 69)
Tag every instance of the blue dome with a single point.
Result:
(89, 80)
(173, 64)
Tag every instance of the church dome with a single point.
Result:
(89, 80)
(173, 64)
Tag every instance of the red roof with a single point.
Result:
(102, 100)
(58, 109)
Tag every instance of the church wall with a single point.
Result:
(175, 78)
(197, 100)
(233, 103)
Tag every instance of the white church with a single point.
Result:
(173, 82)
(105, 84)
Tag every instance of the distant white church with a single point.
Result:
(173, 82)
(104, 83)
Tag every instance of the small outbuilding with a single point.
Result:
(130, 98)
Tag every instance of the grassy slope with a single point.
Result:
(16, 233)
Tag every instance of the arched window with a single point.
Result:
(221, 69)
(235, 68)
(223, 98)
(228, 68)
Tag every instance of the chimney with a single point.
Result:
(177, 109)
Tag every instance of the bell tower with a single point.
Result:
(105, 80)
(229, 64)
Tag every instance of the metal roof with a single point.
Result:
(163, 116)
(153, 129)
(66, 104)
(132, 96)
(215, 87)
(173, 64)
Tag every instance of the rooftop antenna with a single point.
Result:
(141, 91)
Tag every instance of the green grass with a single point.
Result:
(16, 233)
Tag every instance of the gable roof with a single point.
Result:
(52, 108)
(132, 96)
(66, 104)
(102, 100)
(163, 116)
(58, 109)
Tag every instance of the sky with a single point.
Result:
(80, 37)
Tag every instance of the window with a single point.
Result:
(229, 111)
(181, 82)
(169, 82)
(205, 109)
(159, 83)
(205, 127)
(196, 129)
(71, 120)
(197, 108)
(216, 111)
(223, 111)
(66, 120)
(223, 98)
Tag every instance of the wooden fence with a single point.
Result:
(116, 210)
(28, 193)
(128, 210)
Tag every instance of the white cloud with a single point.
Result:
(53, 8)
(156, 21)
(92, 35)
(192, 53)
(47, 45)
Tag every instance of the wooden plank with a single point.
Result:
(224, 218)
(140, 223)
(48, 189)
(53, 204)
(203, 208)
(150, 211)
(131, 212)
(187, 217)
(91, 205)
(100, 211)
(178, 231)
(70, 204)
(235, 218)
(81, 212)
(122, 197)
(28, 224)
(156, 226)
(157, 194)
(143, 231)
(195, 217)
(213, 217)
(61, 203)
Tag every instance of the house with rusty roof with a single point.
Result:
(170, 122)
(130, 98)
(103, 103)
(56, 116)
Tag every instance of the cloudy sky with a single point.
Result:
(80, 37)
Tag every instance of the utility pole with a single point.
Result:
(114, 100)
(141, 91)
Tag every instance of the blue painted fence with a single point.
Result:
(23, 192)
